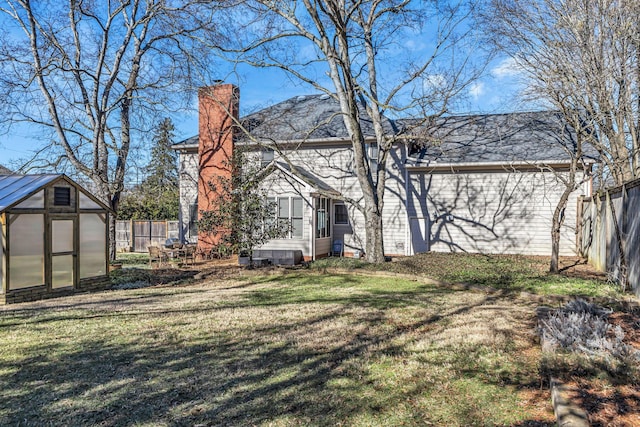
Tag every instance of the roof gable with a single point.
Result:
(16, 188)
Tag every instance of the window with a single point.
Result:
(341, 214)
(283, 210)
(61, 196)
(289, 211)
(372, 154)
(296, 217)
(323, 221)
(193, 219)
(266, 156)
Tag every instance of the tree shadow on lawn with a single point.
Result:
(311, 370)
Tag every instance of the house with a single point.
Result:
(477, 183)
(54, 238)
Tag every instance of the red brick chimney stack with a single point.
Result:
(218, 108)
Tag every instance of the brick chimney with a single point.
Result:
(218, 108)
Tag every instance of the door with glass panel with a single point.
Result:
(63, 252)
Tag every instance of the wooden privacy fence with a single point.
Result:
(610, 233)
(137, 236)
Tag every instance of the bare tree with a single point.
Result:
(91, 74)
(583, 57)
(359, 53)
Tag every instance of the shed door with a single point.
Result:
(63, 252)
(419, 229)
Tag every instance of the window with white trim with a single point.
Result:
(296, 217)
(372, 155)
(323, 218)
(290, 210)
(266, 156)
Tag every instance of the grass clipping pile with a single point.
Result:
(596, 353)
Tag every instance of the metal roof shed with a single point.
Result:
(54, 238)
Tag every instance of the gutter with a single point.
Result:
(429, 166)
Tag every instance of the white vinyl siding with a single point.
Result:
(492, 212)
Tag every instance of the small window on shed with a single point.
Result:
(61, 196)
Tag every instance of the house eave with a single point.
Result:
(417, 166)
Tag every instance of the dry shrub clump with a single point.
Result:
(583, 328)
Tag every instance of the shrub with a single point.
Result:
(582, 327)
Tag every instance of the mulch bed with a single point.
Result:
(608, 403)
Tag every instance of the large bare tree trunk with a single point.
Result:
(355, 44)
(77, 69)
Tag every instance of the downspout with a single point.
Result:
(407, 232)
(312, 234)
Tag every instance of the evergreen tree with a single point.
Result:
(162, 170)
(157, 197)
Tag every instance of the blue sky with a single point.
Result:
(495, 92)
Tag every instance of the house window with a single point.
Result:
(323, 220)
(341, 214)
(296, 217)
(193, 220)
(61, 196)
(372, 154)
(289, 211)
(266, 157)
(283, 211)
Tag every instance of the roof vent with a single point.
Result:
(324, 97)
(301, 98)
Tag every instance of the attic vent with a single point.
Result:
(61, 196)
(301, 98)
(324, 97)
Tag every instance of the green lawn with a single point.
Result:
(300, 349)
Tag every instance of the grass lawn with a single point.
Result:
(513, 273)
(299, 349)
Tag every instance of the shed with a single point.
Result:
(54, 238)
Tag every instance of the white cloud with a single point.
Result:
(414, 44)
(434, 81)
(476, 90)
(506, 68)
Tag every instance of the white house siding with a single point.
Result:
(333, 165)
(188, 162)
(492, 212)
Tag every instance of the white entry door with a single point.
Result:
(418, 235)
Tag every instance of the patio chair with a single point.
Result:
(337, 248)
(157, 255)
(189, 254)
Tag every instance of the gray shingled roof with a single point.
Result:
(14, 188)
(515, 137)
(306, 117)
(309, 117)
(316, 182)
(524, 137)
